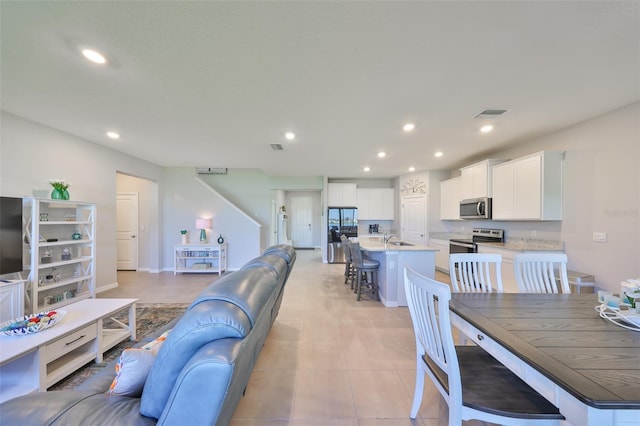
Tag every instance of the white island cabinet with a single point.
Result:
(392, 260)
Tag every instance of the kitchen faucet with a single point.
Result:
(387, 238)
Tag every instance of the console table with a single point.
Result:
(36, 361)
(200, 258)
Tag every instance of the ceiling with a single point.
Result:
(213, 84)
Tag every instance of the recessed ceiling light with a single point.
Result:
(94, 56)
(290, 136)
(113, 135)
(486, 129)
(412, 169)
(382, 154)
(438, 154)
(366, 169)
(408, 127)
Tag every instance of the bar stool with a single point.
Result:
(349, 270)
(366, 271)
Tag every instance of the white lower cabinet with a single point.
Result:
(509, 284)
(442, 255)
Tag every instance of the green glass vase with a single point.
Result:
(65, 194)
(56, 194)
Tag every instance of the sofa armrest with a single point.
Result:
(204, 393)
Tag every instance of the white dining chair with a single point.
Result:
(475, 272)
(541, 272)
(473, 383)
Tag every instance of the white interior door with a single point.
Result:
(301, 221)
(414, 219)
(127, 230)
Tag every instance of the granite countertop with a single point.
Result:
(370, 244)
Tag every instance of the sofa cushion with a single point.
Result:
(201, 324)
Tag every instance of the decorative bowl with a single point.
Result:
(30, 324)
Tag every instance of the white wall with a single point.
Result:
(186, 197)
(252, 191)
(31, 154)
(601, 193)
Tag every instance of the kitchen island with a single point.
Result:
(393, 259)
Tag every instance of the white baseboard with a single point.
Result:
(106, 287)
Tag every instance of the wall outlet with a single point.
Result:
(600, 237)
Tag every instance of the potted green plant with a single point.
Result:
(183, 234)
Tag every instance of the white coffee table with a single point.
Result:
(36, 361)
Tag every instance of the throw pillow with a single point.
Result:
(133, 366)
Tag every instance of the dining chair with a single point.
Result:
(541, 272)
(366, 272)
(473, 383)
(473, 272)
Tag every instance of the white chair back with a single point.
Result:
(428, 302)
(475, 272)
(540, 272)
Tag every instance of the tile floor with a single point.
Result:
(328, 360)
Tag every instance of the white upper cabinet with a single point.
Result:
(341, 195)
(450, 199)
(376, 203)
(476, 180)
(528, 188)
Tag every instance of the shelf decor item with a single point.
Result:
(59, 189)
(220, 239)
(183, 234)
(203, 225)
(30, 324)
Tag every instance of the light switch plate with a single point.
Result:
(600, 237)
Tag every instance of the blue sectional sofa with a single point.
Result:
(201, 370)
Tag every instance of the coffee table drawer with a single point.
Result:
(69, 342)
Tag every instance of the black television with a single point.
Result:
(10, 235)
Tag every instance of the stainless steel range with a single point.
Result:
(469, 245)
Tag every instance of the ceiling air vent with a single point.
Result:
(277, 147)
(491, 113)
(211, 171)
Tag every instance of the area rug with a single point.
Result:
(149, 317)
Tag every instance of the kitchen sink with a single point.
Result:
(399, 243)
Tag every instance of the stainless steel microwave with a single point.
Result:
(475, 208)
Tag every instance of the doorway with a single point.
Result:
(414, 219)
(301, 219)
(127, 231)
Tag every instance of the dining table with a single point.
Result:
(587, 366)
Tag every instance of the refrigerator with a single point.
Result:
(341, 221)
